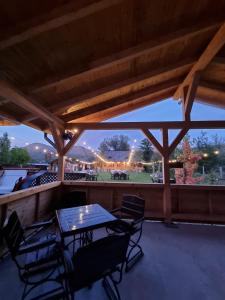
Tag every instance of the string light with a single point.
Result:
(36, 147)
(216, 152)
(205, 154)
(45, 150)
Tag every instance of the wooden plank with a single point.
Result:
(61, 167)
(148, 125)
(153, 140)
(27, 192)
(10, 92)
(212, 49)
(126, 55)
(120, 100)
(61, 16)
(189, 98)
(70, 144)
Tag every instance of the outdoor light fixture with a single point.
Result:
(67, 135)
(36, 147)
(205, 154)
(216, 152)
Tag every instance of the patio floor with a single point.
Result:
(182, 263)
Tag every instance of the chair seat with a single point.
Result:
(122, 226)
(42, 255)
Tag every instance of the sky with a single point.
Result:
(167, 110)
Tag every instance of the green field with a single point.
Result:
(133, 177)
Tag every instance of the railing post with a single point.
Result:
(167, 204)
(61, 167)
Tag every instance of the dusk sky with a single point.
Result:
(168, 110)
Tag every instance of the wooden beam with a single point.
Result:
(127, 107)
(10, 92)
(53, 19)
(189, 96)
(155, 76)
(120, 100)
(61, 167)
(58, 139)
(178, 139)
(48, 140)
(167, 203)
(128, 83)
(215, 87)
(70, 144)
(126, 55)
(148, 125)
(212, 49)
(153, 140)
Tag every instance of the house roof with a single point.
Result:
(88, 61)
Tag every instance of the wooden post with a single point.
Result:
(167, 205)
(61, 167)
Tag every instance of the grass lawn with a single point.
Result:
(133, 177)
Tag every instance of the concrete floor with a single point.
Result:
(184, 263)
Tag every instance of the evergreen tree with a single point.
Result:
(5, 149)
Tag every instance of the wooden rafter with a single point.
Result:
(189, 95)
(168, 71)
(120, 100)
(61, 16)
(70, 144)
(126, 55)
(153, 140)
(10, 92)
(212, 49)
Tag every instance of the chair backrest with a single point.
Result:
(73, 199)
(97, 259)
(133, 206)
(13, 233)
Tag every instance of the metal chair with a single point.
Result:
(75, 199)
(133, 208)
(101, 259)
(38, 259)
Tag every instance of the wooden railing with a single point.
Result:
(189, 203)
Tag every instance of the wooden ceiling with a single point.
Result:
(87, 60)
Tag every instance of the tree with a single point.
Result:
(190, 164)
(146, 149)
(4, 149)
(19, 156)
(116, 143)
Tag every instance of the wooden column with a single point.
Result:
(167, 204)
(61, 167)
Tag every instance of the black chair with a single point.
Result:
(75, 199)
(32, 259)
(132, 209)
(101, 259)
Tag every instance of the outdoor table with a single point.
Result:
(82, 219)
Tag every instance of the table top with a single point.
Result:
(82, 218)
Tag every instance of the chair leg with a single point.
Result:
(111, 288)
(131, 258)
